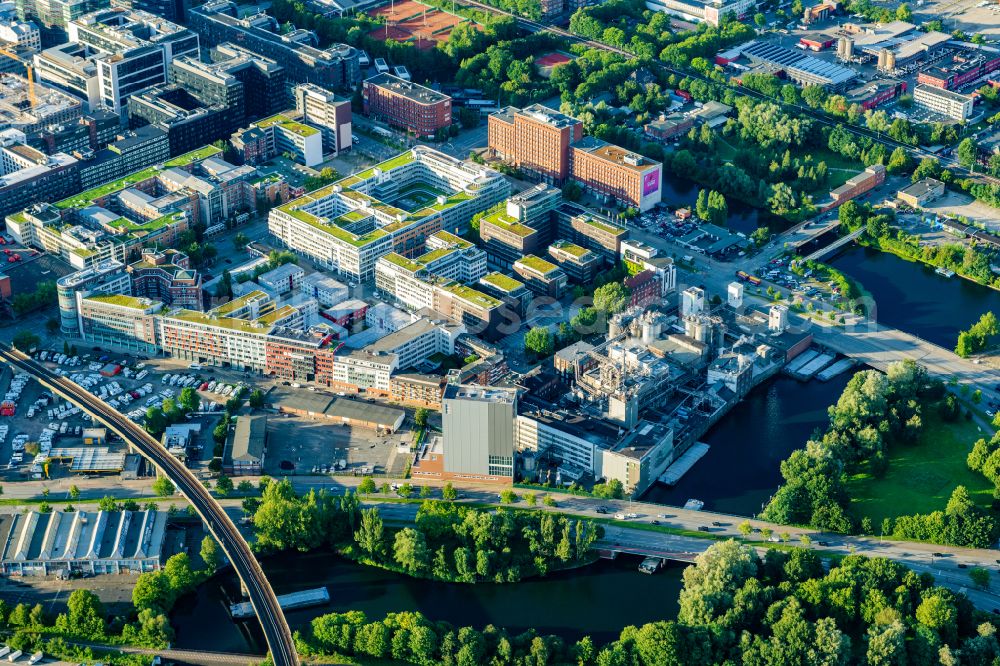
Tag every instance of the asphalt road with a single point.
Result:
(265, 602)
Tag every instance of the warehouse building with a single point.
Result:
(41, 544)
(800, 68)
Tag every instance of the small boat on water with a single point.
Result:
(941, 270)
(694, 505)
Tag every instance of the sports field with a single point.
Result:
(409, 21)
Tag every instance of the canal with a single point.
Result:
(911, 297)
(741, 470)
(597, 600)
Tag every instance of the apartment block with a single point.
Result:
(417, 390)
(541, 276)
(393, 206)
(167, 276)
(406, 105)
(332, 115)
(297, 51)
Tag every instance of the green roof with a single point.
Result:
(449, 237)
(286, 123)
(504, 221)
(261, 325)
(149, 226)
(402, 262)
(394, 163)
(239, 302)
(474, 296)
(88, 198)
(434, 255)
(122, 300)
(537, 264)
(332, 229)
(18, 217)
(83, 252)
(194, 156)
(502, 282)
(570, 248)
(603, 226)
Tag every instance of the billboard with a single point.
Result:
(651, 182)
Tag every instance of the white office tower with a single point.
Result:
(692, 301)
(777, 318)
(735, 295)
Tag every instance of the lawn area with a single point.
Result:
(922, 477)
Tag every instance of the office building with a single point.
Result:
(921, 192)
(54, 16)
(296, 51)
(283, 279)
(535, 139)
(29, 176)
(541, 276)
(20, 37)
(506, 240)
(964, 67)
(327, 291)
(857, 185)
(580, 264)
(393, 206)
(332, 115)
(550, 146)
(71, 67)
(943, 101)
(132, 50)
(49, 107)
(704, 11)
(416, 390)
(284, 135)
(406, 105)
(167, 276)
(121, 320)
(587, 229)
(615, 173)
(513, 293)
(478, 431)
(639, 257)
(418, 341)
(130, 152)
(187, 123)
(109, 277)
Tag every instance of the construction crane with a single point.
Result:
(29, 68)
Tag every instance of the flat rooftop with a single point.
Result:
(412, 91)
(615, 154)
(479, 393)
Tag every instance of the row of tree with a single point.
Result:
(459, 543)
(735, 608)
(979, 336)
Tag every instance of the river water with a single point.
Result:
(742, 218)
(597, 600)
(911, 297)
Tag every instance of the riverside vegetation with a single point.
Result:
(447, 541)
(876, 413)
(735, 608)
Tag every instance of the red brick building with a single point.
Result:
(406, 105)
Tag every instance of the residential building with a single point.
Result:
(541, 276)
(332, 115)
(580, 264)
(167, 276)
(130, 152)
(297, 51)
(417, 390)
(394, 206)
(943, 101)
(478, 430)
(406, 105)
(283, 279)
(132, 50)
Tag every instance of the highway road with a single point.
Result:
(265, 602)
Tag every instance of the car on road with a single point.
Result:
(601, 510)
(654, 522)
(704, 528)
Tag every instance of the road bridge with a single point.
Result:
(265, 602)
(835, 245)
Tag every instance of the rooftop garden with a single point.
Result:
(403, 262)
(603, 226)
(332, 229)
(93, 195)
(508, 223)
(194, 156)
(537, 264)
(434, 255)
(570, 248)
(395, 162)
(287, 124)
(449, 237)
(122, 300)
(149, 226)
(474, 296)
(237, 303)
(502, 282)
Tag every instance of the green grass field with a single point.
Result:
(922, 477)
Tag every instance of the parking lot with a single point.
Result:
(299, 445)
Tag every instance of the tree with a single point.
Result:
(539, 340)
(163, 487)
(404, 490)
(25, 340)
(448, 492)
(256, 399)
(611, 298)
(980, 577)
(507, 496)
(86, 613)
(420, 416)
(52, 325)
(370, 536)
(904, 13)
(367, 486)
(759, 20)
(967, 152)
(74, 492)
(745, 528)
(107, 503)
(410, 550)
(211, 554)
(224, 485)
(189, 400)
